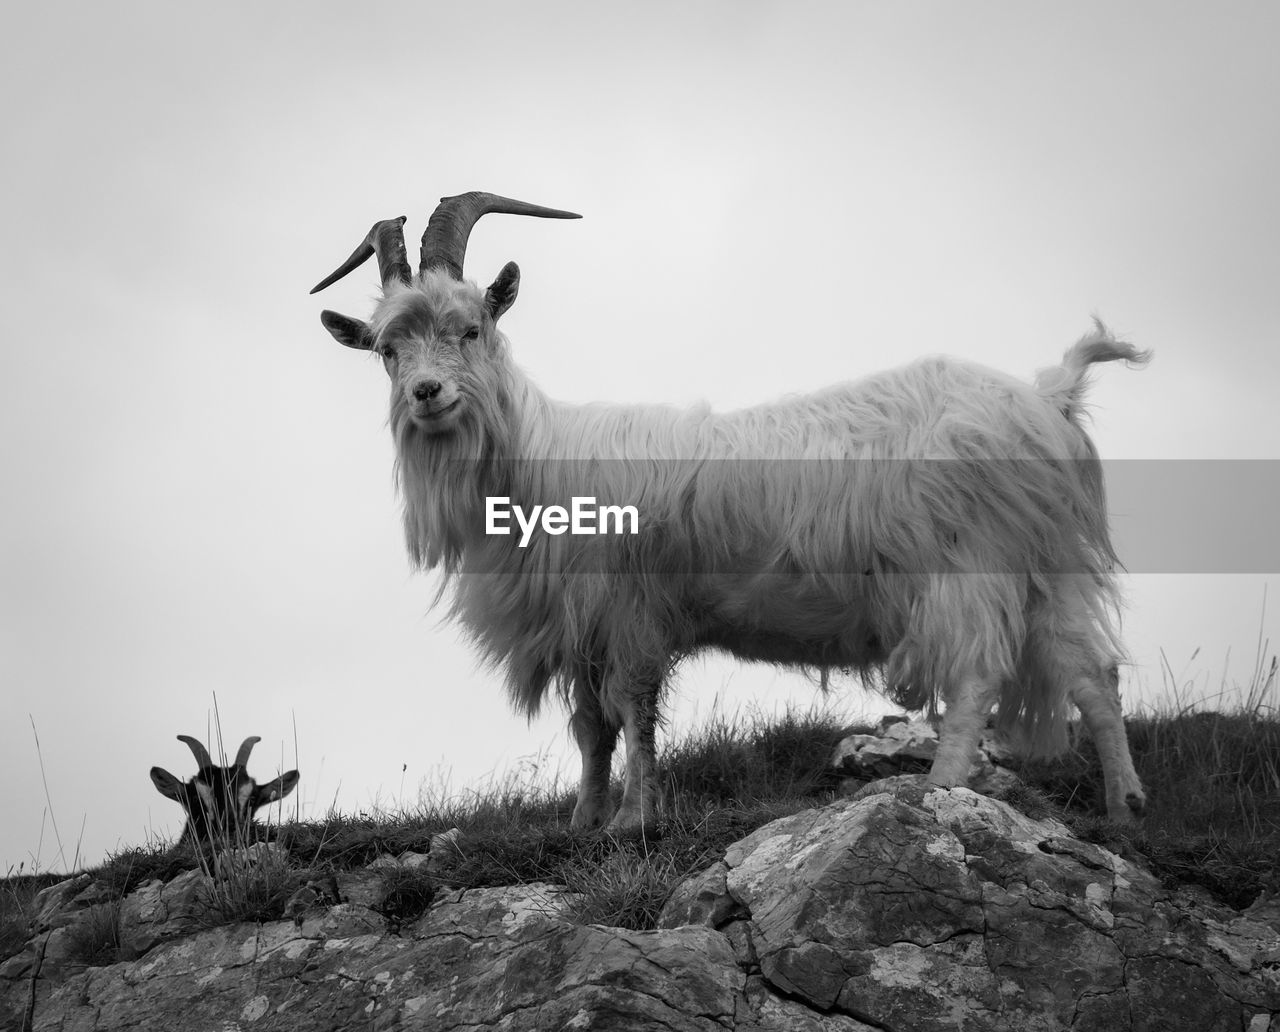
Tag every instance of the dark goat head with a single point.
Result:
(220, 801)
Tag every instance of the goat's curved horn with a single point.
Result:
(197, 750)
(246, 747)
(386, 240)
(444, 244)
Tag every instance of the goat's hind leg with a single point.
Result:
(1078, 651)
(1098, 697)
(962, 725)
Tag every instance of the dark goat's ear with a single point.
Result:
(168, 786)
(347, 331)
(501, 294)
(273, 790)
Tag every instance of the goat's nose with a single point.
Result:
(424, 390)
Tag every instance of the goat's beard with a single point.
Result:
(445, 468)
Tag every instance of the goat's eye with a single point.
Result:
(471, 333)
(387, 352)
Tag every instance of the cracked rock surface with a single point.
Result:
(911, 908)
(904, 909)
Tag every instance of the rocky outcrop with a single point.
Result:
(902, 746)
(901, 908)
(487, 958)
(922, 909)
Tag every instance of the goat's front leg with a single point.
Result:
(962, 726)
(639, 810)
(596, 739)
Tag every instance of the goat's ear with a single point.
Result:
(273, 790)
(169, 786)
(347, 331)
(502, 292)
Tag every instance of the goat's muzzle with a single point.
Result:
(434, 407)
(425, 390)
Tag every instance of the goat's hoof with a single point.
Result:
(587, 819)
(628, 827)
(1129, 810)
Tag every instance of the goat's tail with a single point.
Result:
(1064, 385)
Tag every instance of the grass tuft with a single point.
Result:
(17, 909)
(626, 888)
(250, 885)
(95, 937)
(406, 895)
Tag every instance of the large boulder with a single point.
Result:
(917, 908)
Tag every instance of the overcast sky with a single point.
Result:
(198, 492)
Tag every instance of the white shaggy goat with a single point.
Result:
(941, 527)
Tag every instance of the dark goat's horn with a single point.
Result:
(198, 750)
(444, 244)
(386, 240)
(246, 747)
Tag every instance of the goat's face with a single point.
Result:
(438, 341)
(220, 801)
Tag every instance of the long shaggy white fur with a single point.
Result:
(940, 526)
